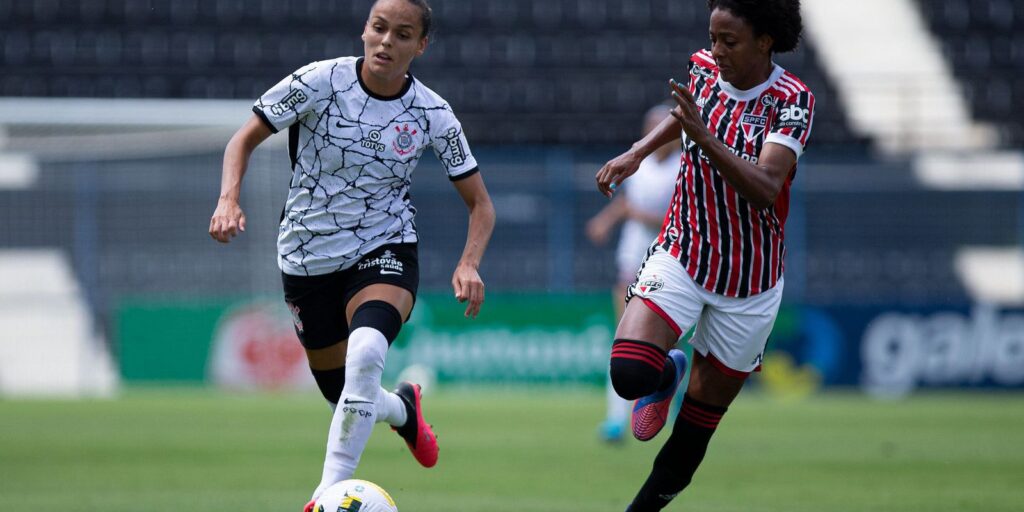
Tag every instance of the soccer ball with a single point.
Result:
(355, 496)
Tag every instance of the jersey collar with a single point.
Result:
(359, 75)
(753, 92)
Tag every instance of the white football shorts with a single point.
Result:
(731, 332)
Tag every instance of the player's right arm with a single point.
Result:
(623, 166)
(280, 107)
(228, 219)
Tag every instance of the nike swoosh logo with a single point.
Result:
(339, 125)
(348, 402)
(390, 273)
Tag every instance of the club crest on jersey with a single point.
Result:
(649, 285)
(753, 126)
(404, 143)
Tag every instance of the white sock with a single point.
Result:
(356, 413)
(618, 408)
(391, 409)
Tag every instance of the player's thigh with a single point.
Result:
(662, 303)
(390, 274)
(640, 323)
(710, 385)
(733, 332)
(318, 314)
(401, 298)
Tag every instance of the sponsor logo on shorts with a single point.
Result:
(295, 316)
(649, 285)
(387, 263)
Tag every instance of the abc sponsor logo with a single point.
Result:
(794, 116)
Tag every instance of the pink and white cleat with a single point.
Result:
(416, 432)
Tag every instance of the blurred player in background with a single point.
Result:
(744, 122)
(640, 208)
(347, 242)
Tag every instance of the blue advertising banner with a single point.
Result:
(895, 350)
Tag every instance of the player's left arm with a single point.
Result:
(466, 281)
(758, 183)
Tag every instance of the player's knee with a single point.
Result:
(636, 368)
(379, 315)
(375, 325)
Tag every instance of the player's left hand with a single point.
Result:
(687, 113)
(468, 288)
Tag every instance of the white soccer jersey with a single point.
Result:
(353, 153)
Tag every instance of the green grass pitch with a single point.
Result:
(190, 450)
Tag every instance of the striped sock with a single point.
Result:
(678, 459)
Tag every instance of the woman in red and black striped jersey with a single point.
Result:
(717, 263)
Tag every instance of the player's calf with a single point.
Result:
(679, 458)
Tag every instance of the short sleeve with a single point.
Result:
(450, 144)
(791, 125)
(294, 96)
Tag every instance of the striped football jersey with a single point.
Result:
(726, 245)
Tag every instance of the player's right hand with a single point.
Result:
(227, 221)
(616, 171)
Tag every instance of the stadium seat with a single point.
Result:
(540, 55)
(983, 38)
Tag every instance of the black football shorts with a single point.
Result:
(317, 303)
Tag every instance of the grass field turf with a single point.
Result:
(502, 451)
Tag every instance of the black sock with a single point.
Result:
(330, 383)
(678, 459)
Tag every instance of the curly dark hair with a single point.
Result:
(780, 19)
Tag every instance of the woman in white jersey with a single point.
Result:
(640, 207)
(743, 122)
(347, 240)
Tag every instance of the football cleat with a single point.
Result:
(650, 413)
(416, 432)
